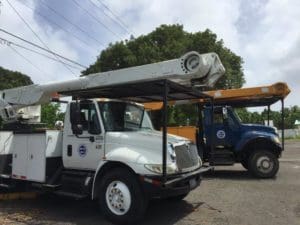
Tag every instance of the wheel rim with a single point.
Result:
(118, 197)
(265, 164)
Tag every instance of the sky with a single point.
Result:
(264, 33)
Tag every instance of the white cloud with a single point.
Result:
(10, 60)
(273, 52)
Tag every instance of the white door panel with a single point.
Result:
(36, 157)
(19, 162)
(29, 157)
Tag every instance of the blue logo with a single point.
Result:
(221, 134)
(82, 150)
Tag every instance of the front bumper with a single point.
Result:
(155, 187)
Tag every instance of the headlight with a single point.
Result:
(172, 152)
(157, 168)
(276, 140)
(200, 161)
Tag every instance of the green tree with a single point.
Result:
(50, 113)
(12, 79)
(168, 42)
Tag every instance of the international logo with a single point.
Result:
(82, 150)
(221, 134)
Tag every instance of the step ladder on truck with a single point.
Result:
(107, 149)
(227, 140)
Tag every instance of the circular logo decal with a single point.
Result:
(82, 150)
(221, 134)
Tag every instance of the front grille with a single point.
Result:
(186, 156)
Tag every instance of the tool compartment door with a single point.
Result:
(19, 162)
(36, 166)
(29, 157)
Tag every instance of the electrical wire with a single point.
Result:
(109, 16)
(8, 43)
(40, 47)
(27, 60)
(70, 22)
(95, 18)
(116, 16)
(37, 36)
(56, 24)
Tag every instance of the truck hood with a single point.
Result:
(259, 128)
(145, 138)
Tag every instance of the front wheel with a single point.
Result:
(263, 164)
(121, 198)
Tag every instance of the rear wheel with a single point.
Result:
(263, 164)
(121, 198)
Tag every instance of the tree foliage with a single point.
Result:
(169, 42)
(50, 113)
(291, 114)
(11, 79)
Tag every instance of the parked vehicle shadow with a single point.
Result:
(51, 209)
(166, 212)
(229, 174)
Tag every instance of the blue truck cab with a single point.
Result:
(225, 140)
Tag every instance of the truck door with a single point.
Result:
(226, 127)
(84, 151)
(225, 130)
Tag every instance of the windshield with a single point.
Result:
(122, 116)
(237, 116)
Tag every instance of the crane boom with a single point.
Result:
(205, 69)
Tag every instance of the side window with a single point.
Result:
(218, 118)
(89, 118)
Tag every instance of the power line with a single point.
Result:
(95, 18)
(8, 43)
(113, 13)
(26, 59)
(37, 36)
(109, 16)
(70, 22)
(40, 47)
(56, 24)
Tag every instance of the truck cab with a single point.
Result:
(228, 140)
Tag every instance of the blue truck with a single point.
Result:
(227, 140)
(223, 139)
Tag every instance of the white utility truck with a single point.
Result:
(107, 148)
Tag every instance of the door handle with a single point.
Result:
(92, 139)
(69, 150)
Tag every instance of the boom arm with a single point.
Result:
(205, 69)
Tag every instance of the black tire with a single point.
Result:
(258, 159)
(138, 204)
(245, 164)
(177, 198)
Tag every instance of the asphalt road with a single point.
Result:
(229, 195)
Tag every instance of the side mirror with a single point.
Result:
(75, 118)
(225, 113)
(77, 129)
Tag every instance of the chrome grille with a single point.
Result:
(186, 156)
